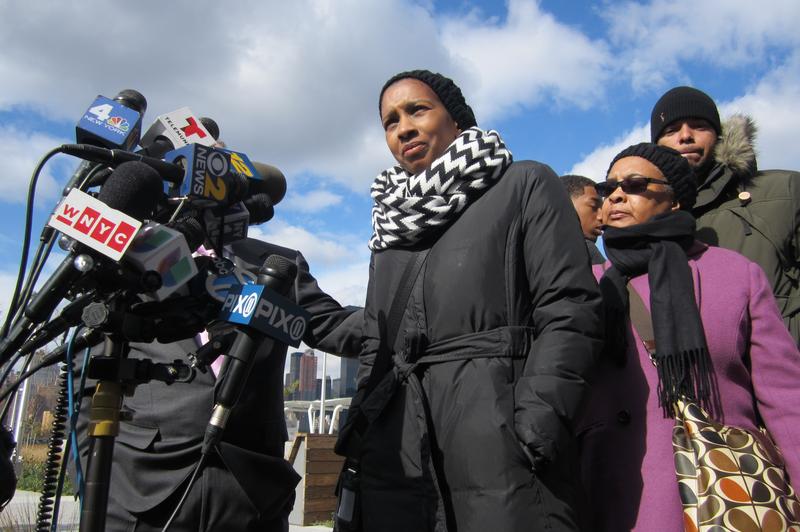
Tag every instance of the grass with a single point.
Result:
(31, 477)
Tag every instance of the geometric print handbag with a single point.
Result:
(730, 478)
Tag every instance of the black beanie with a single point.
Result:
(675, 168)
(683, 102)
(447, 91)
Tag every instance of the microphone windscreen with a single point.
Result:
(191, 229)
(133, 188)
(132, 99)
(260, 208)
(210, 125)
(279, 267)
(274, 182)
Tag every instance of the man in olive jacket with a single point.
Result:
(754, 212)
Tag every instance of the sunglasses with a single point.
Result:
(629, 185)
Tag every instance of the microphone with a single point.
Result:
(212, 175)
(128, 98)
(272, 182)
(169, 172)
(174, 130)
(113, 123)
(167, 251)
(264, 316)
(260, 208)
(104, 224)
(231, 222)
(161, 144)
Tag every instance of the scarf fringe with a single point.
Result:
(686, 375)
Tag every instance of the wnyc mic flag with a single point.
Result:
(94, 224)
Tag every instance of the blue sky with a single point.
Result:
(295, 84)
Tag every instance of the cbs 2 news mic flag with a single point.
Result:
(266, 311)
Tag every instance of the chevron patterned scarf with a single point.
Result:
(409, 207)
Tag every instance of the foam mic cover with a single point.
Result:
(133, 188)
(273, 182)
(210, 125)
(191, 229)
(132, 99)
(260, 208)
(277, 273)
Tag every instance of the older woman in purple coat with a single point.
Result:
(720, 338)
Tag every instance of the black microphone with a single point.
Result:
(211, 176)
(132, 100)
(131, 189)
(260, 208)
(273, 182)
(161, 144)
(177, 129)
(277, 274)
(113, 123)
(169, 172)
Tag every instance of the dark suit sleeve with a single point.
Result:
(333, 328)
(566, 316)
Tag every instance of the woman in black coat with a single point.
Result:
(472, 428)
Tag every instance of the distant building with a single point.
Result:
(308, 376)
(294, 374)
(328, 389)
(347, 379)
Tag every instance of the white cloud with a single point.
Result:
(20, 151)
(290, 83)
(655, 37)
(525, 59)
(769, 102)
(347, 284)
(294, 84)
(595, 164)
(321, 251)
(773, 103)
(313, 201)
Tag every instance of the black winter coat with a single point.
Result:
(500, 331)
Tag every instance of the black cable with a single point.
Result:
(197, 469)
(26, 374)
(23, 262)
(42, 253)
(90, 176)
(54, 458)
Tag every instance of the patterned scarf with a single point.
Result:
(409, 207)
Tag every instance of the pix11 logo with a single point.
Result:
(266, 311)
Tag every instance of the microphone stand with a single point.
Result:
(103, 429)
(116, 375)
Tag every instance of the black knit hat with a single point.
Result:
(683, 102)
(447, 91)
(675, 168)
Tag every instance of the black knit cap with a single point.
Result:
(675, 168)
(447, 91)
(683, 102)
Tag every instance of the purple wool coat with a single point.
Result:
(625, 442)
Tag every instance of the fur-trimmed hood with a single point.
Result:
(735, 148)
